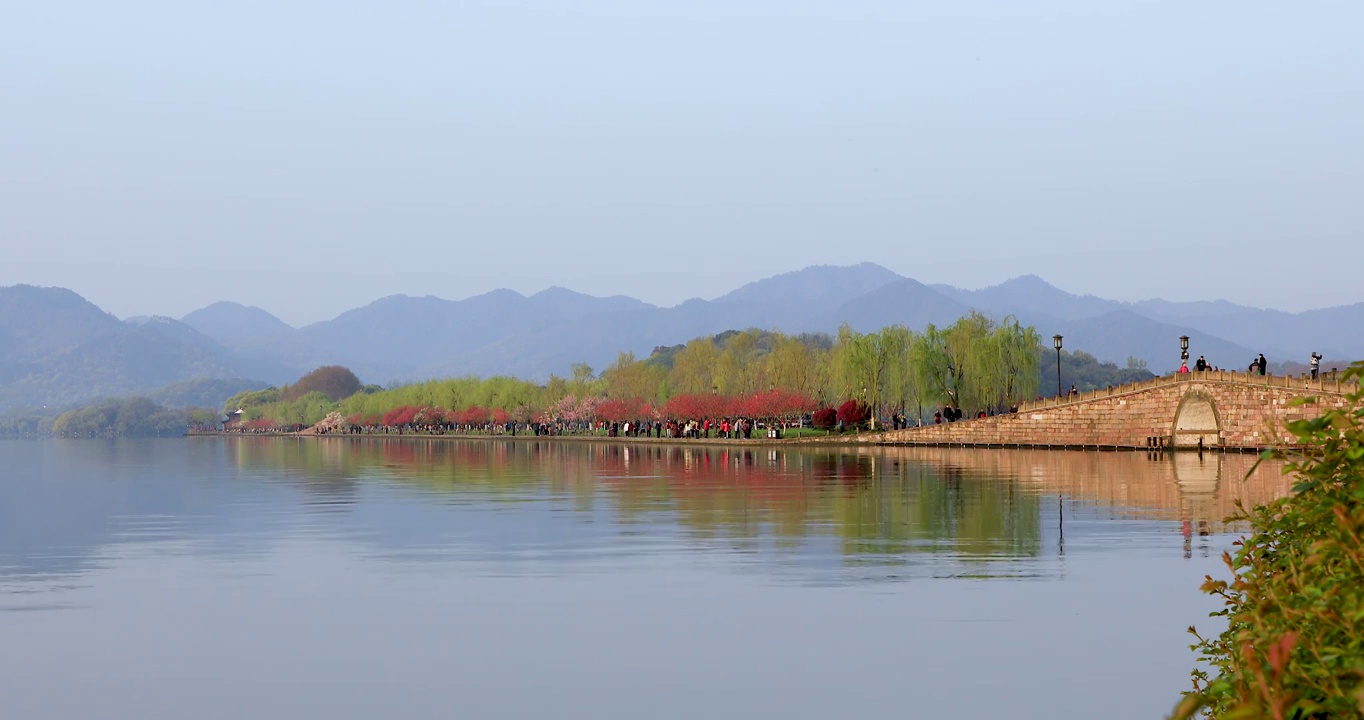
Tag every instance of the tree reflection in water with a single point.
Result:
(882, 506)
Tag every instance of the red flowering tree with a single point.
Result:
(401, 415)
(853, 413)
(694, 407)
(824, 418)
(792, 405)
(616, 410)
(474, 415)
(429, 416)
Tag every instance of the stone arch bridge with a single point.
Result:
(1216, 409)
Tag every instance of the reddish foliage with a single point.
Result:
(621, 410)
(693, 406)
(777, 404)
(824, 418)
(771, 404)
(333, 381)
(853, 412)
(401, 416)
(501, 416)
(473, 415)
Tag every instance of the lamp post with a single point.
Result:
(1184, 348)
(1056, 340)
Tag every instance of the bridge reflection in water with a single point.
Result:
(881, 504)
(1199, 487)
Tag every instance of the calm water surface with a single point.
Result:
(286, 578)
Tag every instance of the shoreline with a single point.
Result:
(859, 440)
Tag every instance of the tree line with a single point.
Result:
(974, 364)
(128, 417)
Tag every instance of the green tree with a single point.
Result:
(581, 382)
(695, 367)
(739, 366)
(900, 387)
(631, 379)
(1016, 363)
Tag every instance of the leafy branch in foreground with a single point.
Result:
(1294, 642)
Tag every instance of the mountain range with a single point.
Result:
(56, 348)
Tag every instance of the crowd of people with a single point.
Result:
(1258, 366)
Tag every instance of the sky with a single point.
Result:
(310, 156)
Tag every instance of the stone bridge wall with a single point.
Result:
(1231, 410)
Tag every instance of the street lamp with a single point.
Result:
(1184, 348)
(1056, 340)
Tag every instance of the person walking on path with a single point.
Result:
(1316, 364)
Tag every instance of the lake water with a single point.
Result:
(339, 578)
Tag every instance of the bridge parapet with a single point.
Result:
(1216, 409)
(1325, 384)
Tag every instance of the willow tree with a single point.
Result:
(975, 364)
(900, 384)
(582, 383)
(934, 369)
(631, 379)
(740, 369)
(1017, 362)
(792, 365)
(877, 363)
(695, 367)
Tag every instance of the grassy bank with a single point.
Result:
(1294, 601)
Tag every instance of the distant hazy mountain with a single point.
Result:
(401, 337)
(817, 286)
(569, 304)
(904, 302)
(1121, 334)
(55, 347)
(1225, 327)
(1031, 296)
(233, 324)
(1337, 331)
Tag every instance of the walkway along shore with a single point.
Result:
(1201, 411)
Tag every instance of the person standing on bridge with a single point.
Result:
(1201, 365)
(1261, 363)
(1315, 363)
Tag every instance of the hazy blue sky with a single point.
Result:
(312, 156)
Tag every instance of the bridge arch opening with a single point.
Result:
(1196, 419)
